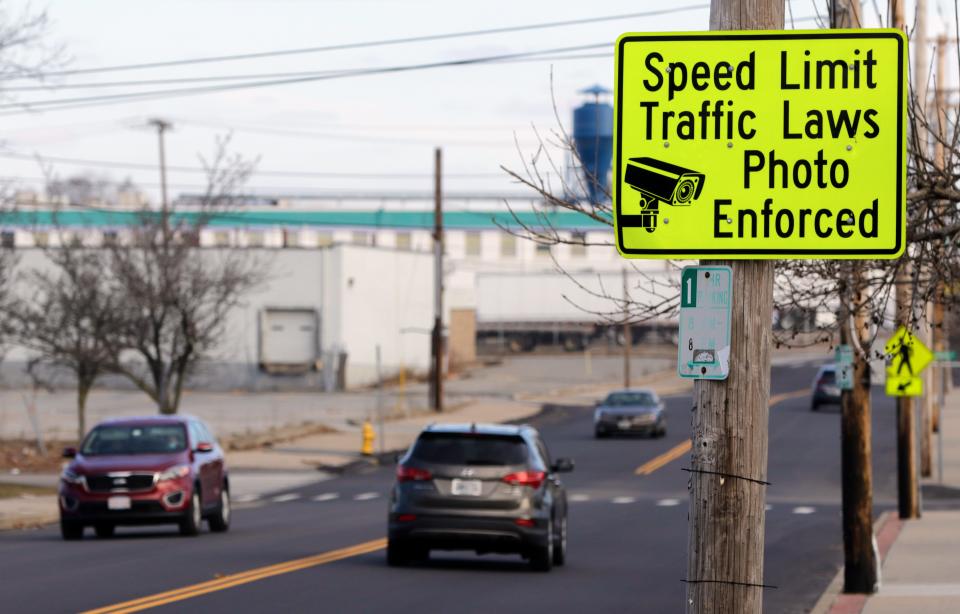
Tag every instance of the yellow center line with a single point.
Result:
(684, 446)
(672, 454)
(260, 573)
(252, 575)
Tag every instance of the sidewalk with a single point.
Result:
(921, 558)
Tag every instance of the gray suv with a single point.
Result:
(481, 487)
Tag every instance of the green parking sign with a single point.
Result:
(704, 348)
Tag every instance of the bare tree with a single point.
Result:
(174, 299)
(806, 287)
(25, 48)
(67, 320)
(25, 51)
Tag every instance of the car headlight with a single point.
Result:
(174, 473)
(71, 477)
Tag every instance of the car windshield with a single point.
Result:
(828, 377)
(135, 439)
(630, 398)
(470, 449)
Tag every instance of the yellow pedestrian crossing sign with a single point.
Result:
(908, 357)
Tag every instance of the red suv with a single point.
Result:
(151, 470)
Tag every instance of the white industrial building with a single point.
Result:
(346, 277)
(318, 304)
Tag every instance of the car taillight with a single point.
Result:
(525, 522)
(533, 479)
(406, 517)
(412, 474)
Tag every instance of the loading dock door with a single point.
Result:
(288, 339)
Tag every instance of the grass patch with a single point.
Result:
(16, 490)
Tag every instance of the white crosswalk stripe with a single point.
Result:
(624, 500)
(579, 497)
(366, 496)
(327, 496)
(668, 502)
(804, 509)
(285, 498)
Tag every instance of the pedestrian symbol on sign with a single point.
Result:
(908, 357)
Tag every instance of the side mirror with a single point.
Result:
(563, 465)
(204, 446)
(69, 452)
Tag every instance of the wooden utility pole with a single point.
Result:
(928, 323)
(162, 126)
(729, 431)
(937, 330)
(627, 335)
(436, 340)
(860, 562)
(926, 401)
(908, 488)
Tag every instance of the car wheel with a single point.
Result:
(541, 559)
(814, 406)
(560, 545)
(70, 530)
(190, 524)
(599, 433)
(398, 554)
(220, 521)
(104, 530)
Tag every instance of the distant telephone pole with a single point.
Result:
(908, 489)
(436, 340)
(162, 126)
(860, 568)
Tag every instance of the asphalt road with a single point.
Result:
(318, 547)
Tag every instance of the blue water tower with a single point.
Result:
(593, 139)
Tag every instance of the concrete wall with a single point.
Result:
(364, 296)
(378, 297)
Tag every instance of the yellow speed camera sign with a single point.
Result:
(761, 144)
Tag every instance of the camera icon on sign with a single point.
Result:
(661, 181)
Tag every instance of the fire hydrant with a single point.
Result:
(367, 433)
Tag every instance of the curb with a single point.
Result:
(833, 600)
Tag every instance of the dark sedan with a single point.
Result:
(825, 388)
(634, 410)
(480, 487)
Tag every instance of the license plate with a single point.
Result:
(118, 503)
(470, 488)
(623, 424)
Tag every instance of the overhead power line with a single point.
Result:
(346, 136)
(274, 75)
(199, 170)
(87, 101)
(373, 43)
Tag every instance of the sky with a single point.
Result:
(482, 116)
